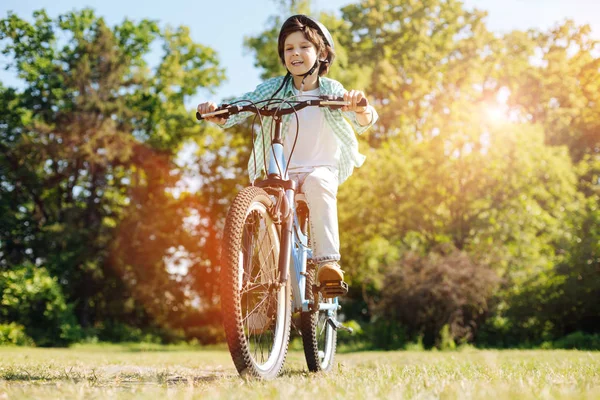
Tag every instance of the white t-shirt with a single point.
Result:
(316, 144)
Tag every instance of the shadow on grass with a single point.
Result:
(159, 348)
(139, 347)
(209, 378)
(23, 375)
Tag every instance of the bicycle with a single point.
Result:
(265, 228)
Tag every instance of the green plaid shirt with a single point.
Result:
(343, 124)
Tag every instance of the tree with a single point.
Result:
(474, 149)
(419, 53)
(87, 155)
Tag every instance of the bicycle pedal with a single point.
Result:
(335, 324)
(331, 289)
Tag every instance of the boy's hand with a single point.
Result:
(208, 107)
(354, 96)
(363, 114)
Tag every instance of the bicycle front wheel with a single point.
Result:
(319, 337)
(256, 306)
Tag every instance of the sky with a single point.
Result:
(223, 25)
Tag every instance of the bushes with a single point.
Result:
(14, 334)
(33, 299)
(381, 334)
(34, 311)
(439, 299)
(576, 340)
(446, 287)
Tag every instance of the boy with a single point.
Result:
(326, 150)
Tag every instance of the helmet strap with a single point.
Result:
(310, 72)
(285, 79)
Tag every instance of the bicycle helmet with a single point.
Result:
(295, 21)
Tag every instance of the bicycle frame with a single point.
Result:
(294, 243)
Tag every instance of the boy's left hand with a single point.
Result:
(354, 96)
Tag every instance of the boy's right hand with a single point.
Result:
(208, 107)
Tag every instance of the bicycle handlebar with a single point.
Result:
(226, 110)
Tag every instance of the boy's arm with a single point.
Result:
(351, 116)
(262, 92)
(358, 128)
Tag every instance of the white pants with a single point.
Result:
(320, 189)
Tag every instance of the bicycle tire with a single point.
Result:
(256, 308)
(318, 337)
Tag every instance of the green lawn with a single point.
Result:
(137, 371)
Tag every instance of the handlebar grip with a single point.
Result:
(341, 102)
(224, 111)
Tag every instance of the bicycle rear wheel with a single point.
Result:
(318, 336)
(256, 307)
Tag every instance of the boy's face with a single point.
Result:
(299, 53)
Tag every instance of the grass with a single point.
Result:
(178, 372)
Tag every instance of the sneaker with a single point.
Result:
(329, 271)
(330, 278)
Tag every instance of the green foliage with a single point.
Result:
(14, 334)
(378, 334)
(30, 295)
(86, 164)
(415, 346)
(578, 340)
(120, 332)
(446, 341)
(423, 57)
